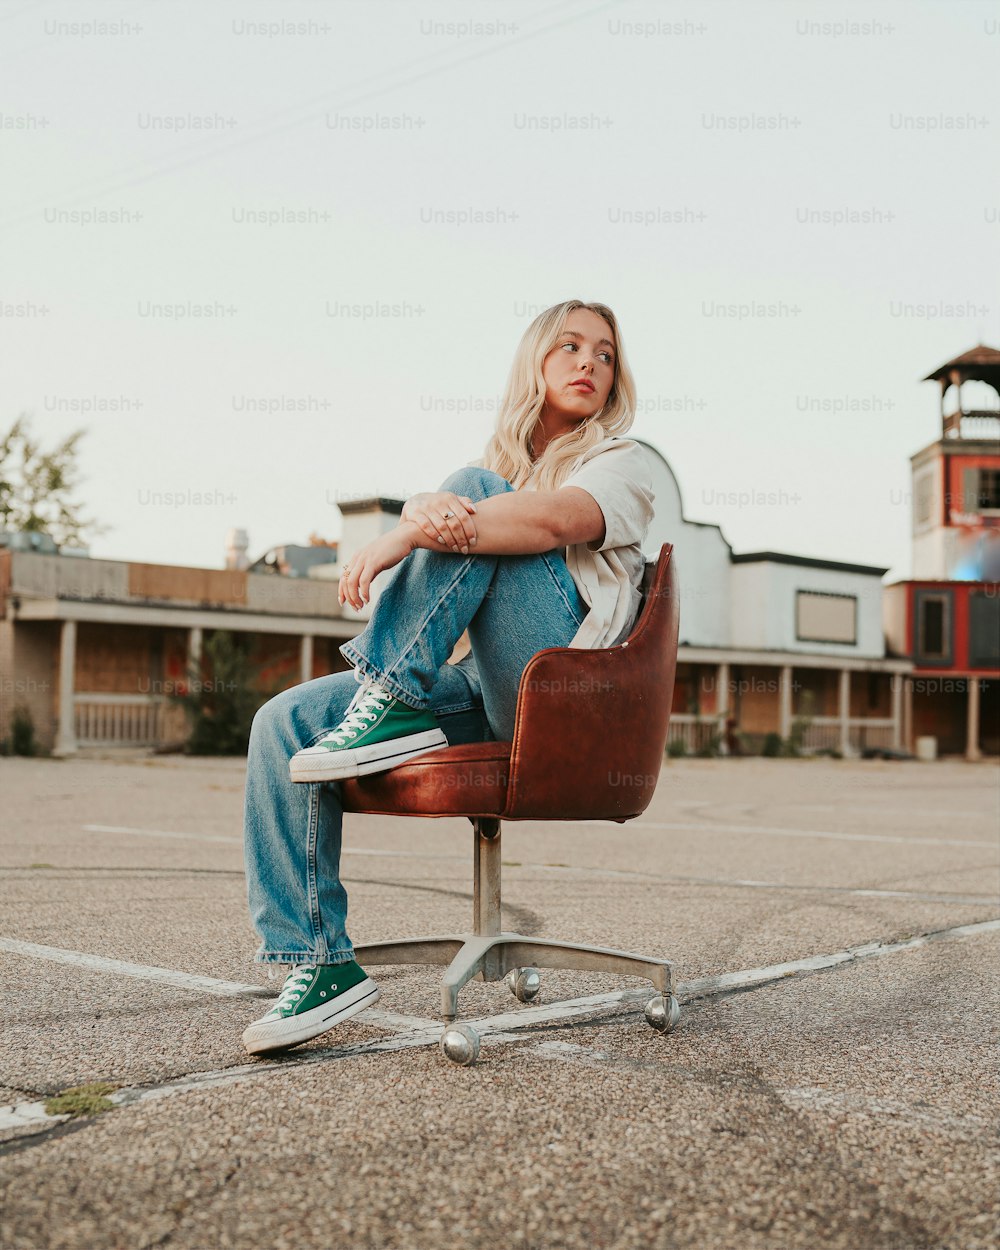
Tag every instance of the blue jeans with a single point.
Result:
(513, 606)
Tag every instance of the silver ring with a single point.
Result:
(446, 515)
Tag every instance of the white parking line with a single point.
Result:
(951, 813)
(623, 873)
(675, 826)
(33, 1114)
(747, 978)
(233, 841)
(803, 833)
(142, 972)
(186, 981)
(698, 988)
(851, 891)
(707, 986)
(816, 1097)
(163, 833)
(415, 1031)
(799, 1097)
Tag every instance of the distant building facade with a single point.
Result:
(769, 639)
(770, 642)
(946, 617)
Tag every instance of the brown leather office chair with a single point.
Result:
(589, 735)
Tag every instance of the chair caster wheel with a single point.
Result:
(524, 983)
(460, 1044)
(662, 1013)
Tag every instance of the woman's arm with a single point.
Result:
(527, 522)
(515, 523)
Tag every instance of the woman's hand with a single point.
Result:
(444, 517)
(384, 553)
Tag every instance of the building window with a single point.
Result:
(980, 490)
(822, 616)
(984, 630)
(989, 490)
(933, 627)
(923, 498)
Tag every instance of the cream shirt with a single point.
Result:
(608, 574)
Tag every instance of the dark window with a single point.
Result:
(934, 628)
(989, 488)
(980, 489)
(984, 630)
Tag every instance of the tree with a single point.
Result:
(221, 705)
(796, 734)
(37, 487)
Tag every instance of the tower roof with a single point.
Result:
(981, 364)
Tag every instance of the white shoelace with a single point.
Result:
(296, 984)
(361, 713)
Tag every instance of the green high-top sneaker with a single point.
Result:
(377, 733)
(312, 1001)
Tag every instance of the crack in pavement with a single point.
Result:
(493, 1030)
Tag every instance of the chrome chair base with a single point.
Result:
(492, 958)
(492, 955)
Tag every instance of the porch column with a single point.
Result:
(721, 701)
(907, 712)
(785, 700)
(306, 658)
(722, 696)
(896, 686)
(65, 743)
(972, 751)
(844, 711)
(194, 651)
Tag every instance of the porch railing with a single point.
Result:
(821, 734)
(133, 720)
(976, 424)
(695, 732)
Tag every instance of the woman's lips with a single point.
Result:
(587, 387)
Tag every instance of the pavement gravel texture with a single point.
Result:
(854, 1106)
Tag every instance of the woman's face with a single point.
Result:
(580, 369)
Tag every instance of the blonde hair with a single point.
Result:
(509, 450)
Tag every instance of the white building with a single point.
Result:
(769, 636)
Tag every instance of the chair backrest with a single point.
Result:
(591, 725)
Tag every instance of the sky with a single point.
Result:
(272, 255)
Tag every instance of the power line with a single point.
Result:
(121, 180)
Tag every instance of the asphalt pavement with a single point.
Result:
(833, 1080)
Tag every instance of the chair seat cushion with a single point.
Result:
(466, 780)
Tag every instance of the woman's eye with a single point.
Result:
(608, 358)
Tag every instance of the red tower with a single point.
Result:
(946, 618)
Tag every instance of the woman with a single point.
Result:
(537, 545)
